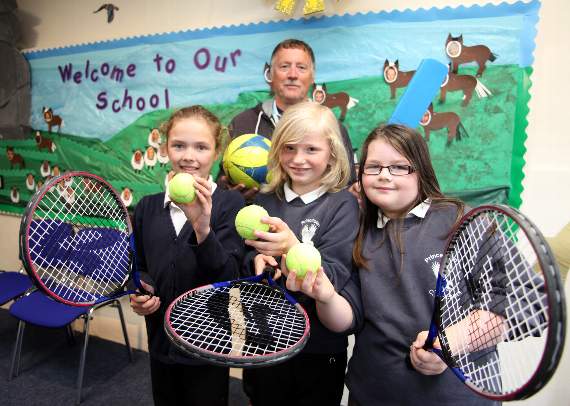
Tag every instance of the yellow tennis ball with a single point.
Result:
(181, 188)
(248, 220)
(302, 258)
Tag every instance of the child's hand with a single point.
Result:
(315, 284)
(261, 262)
(199, 211)
(144, 305)
(425, 362)
(277, 241)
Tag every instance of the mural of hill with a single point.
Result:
(485, 166)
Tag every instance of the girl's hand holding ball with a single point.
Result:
(193, 195)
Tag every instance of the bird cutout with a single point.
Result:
(110, 7)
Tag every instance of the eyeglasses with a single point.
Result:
(395, 170)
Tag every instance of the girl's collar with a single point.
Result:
(307, 197)
(419, 211)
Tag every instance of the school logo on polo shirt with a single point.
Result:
(309, 228)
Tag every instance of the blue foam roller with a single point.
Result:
(421, 90)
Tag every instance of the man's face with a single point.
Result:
(292, 73)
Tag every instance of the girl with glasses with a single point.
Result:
(388, 302)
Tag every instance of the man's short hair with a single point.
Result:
(292, 43)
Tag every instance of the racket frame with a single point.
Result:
(556, 306)
(24, 248)
(238, 361)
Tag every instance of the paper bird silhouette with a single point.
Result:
(110, 10)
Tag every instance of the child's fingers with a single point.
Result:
(267, 248)
(292, 283)
(260, 263)
(147, 287)
(426, 362)
(139, 299)
(277, 223)
(420, 340)
(309, 281)
(283, 265)
(144, 305)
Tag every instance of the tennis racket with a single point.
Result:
(243, 323)
(76, 240)
(499, 309)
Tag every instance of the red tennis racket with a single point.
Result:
(76, 240)
(500, 314)
(243, 323)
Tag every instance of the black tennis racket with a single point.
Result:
(499, 311)
(76, 240)
(243, 323)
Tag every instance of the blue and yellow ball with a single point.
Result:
(245, 160)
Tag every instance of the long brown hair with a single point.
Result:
(412, 146)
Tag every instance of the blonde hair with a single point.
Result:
(297, 121)
(219, 132)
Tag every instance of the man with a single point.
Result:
(290, 75)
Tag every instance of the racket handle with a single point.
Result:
(269, 272)
(428, 345)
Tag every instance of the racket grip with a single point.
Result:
(428, 345)
(269, 271)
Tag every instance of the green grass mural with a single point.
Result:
(484, 167)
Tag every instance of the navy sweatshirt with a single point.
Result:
(176, 264)
(331, 223)
(391, 306)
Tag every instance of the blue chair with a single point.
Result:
(13, 285)
(39, 309)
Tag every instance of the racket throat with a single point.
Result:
(237, 322)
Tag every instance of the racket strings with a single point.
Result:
(202, 321)
(494, 304)
(78, 240)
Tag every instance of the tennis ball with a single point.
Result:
(302, 258)
(248, 220)
(181, 188)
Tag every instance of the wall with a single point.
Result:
(546, 195)
(546, 198)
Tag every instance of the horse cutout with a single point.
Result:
(341, 99)
(14, 159)
(44, 143)
(395, 77)
(432, 121)
(51, 119)
(459, 54)
(466, 83)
